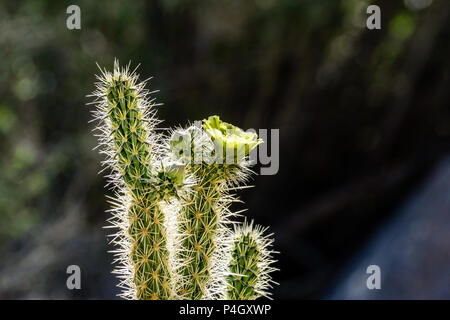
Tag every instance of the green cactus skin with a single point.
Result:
(127, 122)
(203, 214)
(250, 265)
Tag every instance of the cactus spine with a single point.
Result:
(170, 209)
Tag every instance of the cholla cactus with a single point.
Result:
(172, 197)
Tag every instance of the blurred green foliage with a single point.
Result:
(47, 69)
(349, 103)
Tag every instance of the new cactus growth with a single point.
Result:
(173, 195)
(250, 264)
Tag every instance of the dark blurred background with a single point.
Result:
(364, 125)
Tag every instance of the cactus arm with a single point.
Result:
(250, 264)
(205, 216)
(126, 122)
(206, 213)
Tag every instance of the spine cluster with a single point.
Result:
(172, 200)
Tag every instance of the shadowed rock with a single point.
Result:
(412, 250)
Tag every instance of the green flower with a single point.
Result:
(234, 143)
